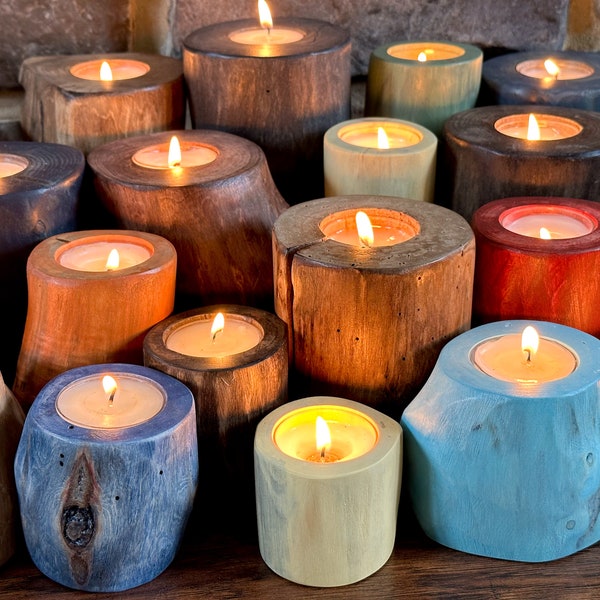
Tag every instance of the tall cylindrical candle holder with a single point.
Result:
(292, 88)
(551, 78)
(501, 451)
(66, 101)
(364, 321)
(327, 517)
(534, 259)
(237, 375)
(382, 157)
(82, 310)
(39, 197)
(423, 81)
(105, 491)
(217, 211)
(489, 156)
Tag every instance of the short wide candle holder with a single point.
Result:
(107, 478)
(502, 443)
(327, 508)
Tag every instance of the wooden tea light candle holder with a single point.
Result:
(216, 204)
(535, 260)
(75, 100)
(90, 304)
(502, 443)
(234, 360)
(383, 157)
(39, 197)
(551, 78)
(292, 80)
(506, 151)
(328, 477)
(363, 315)
(423, 81)
(106, 472)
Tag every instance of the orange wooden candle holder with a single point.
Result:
(79, 315)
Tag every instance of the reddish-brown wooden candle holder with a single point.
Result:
(522, 277)
(61, 107)
(218, 216)
(77, 318)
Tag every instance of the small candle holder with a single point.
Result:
(488, 155)
(519, 275)
(423, 81)
(39, 197)
(385, 157)
(121, 493)
(364, 322)
(218, 214)
(507, 469)
(291, 91)
(333, 522)
(67, 102)
(571, 79)
(237, 376)
(82, 311)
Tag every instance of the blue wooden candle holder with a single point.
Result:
(105, 509)
(507, 470)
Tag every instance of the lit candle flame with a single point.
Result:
(323, 436)
(529, 342)
(217, 326)
(174, 156)
(110, 388)
(545, 234)
(422, 57)
(364, 229)
(533, 129)
(383, 142)
(113, 260)
(105, 72)
(264, 15)
(551, 67)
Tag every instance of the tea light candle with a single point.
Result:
(357, 484)
(534, 127)
(505, 426)
(116, 69)
(387, 157)
(107, 465)
(572, 79)
(11, 164)
(96, 256)
(174, 156)
(444, 81)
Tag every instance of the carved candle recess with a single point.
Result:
(107, 478)
(66, 101)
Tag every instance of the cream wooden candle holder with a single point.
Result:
(65, 103)
(327, 524)
(366, 323)
(81, 317)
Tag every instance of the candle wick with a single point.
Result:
(528, 350)
(323, 454)
(215, 334)
(111, 397)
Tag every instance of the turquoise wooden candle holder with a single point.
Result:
(505, 469)
(104, 503)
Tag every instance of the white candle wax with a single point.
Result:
(353, 433)
(258, 36)
(429, 50)
(561, 222)
(11, 164)
(365, 134)
(567, 69)
(120, 68)
(89, 255)
(85, 403)
(551, 127)
(193, 154)
(503, 358)
(196, 338)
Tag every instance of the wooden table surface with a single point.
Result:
(227, 566)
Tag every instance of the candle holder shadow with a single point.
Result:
(505, 469)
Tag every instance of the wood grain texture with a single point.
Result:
(481, 164)
(105, 510)
(365, 323)
(77, 318)
(219, 216)
(59, 107)
(503, 469)
(282, 97)
(520, 277)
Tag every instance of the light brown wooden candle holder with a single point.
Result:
(77, 318)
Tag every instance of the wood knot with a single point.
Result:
(78, 526)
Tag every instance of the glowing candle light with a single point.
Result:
(105, 72)
(422, 57)
(545, 234)
(113, 260)
(364, 229)
(533, 129)
(383, 142)
(551, 67)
